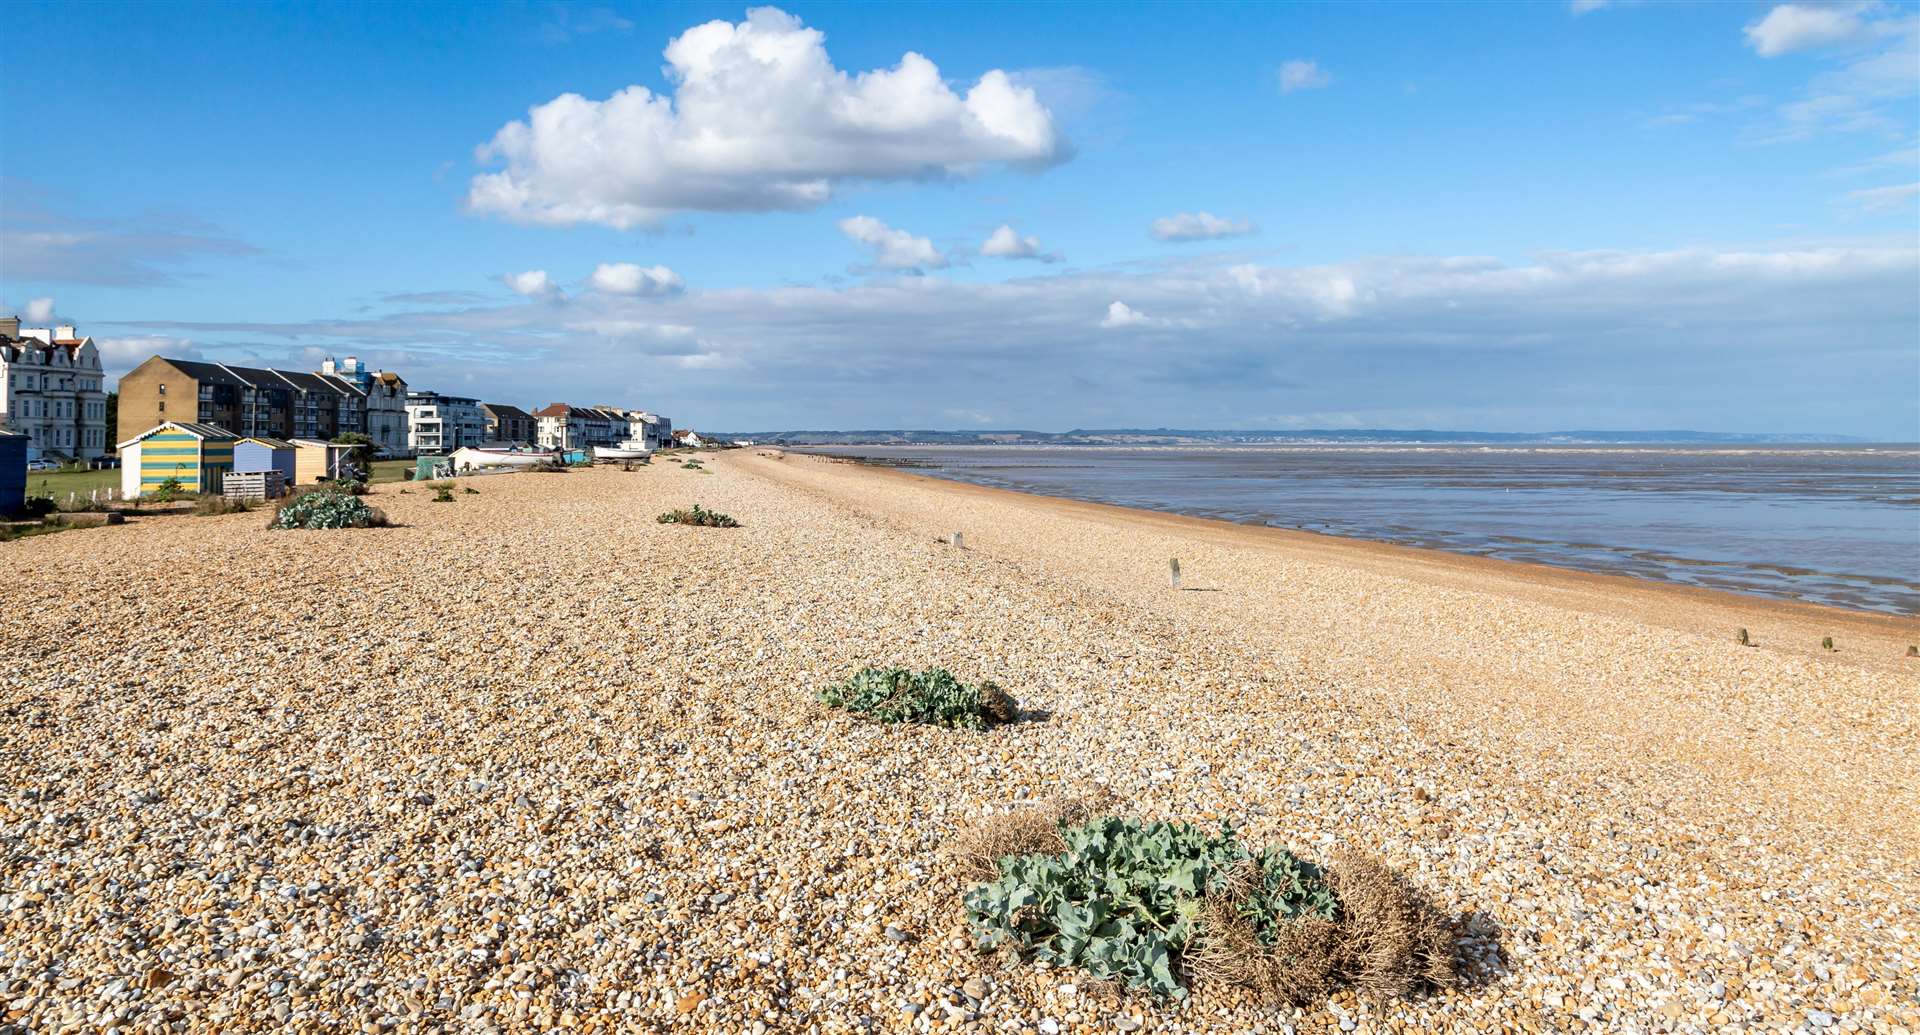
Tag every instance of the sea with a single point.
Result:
(1826, 524)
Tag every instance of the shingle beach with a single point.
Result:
(532, 762)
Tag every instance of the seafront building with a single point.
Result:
(560, 426)
(284, 404)
(509, 425)
(439, 423)
(650, 429)
(570, 427)
(345, 395)
(384, 395)
(51, 391)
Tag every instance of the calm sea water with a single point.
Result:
(1828, 524)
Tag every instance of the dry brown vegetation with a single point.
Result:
(1389, 939)
(1030, 830)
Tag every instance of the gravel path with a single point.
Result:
(532, 761)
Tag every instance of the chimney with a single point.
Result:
(10, 326)
(64, 333)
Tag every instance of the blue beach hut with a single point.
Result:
(13, 473)
(254, 454)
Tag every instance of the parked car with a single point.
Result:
(103, 463)
(42, 465)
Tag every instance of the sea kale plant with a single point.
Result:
(1126, 898)
(325, 509)
(933, 697)
(697, 516)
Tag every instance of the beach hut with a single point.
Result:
(197, 455)
(254, 454)
(13, 473)
(314, 460)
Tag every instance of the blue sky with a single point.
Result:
(1512, 217)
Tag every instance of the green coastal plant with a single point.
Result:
(697, 516)
(1826, 643)
(443, 494)
(1741, 638)
(469, 490)
(933, 697)
(1160, 905)
(1125, 899)
(166, 491)
(326, 509)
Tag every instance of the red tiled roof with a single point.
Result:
(553, 410)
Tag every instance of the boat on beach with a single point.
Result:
(628, 450)
(478, 458)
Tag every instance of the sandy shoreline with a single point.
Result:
(532, 762)
(1619, 590)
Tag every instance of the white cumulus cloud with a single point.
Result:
(626, 278)
(1791, 27)
(532, 283)
(1007, 243)
(893, 249)
(1199, 226)
(759, 119)
(38, 310)
(119, 355)
(1120, 314)
(1303, 75)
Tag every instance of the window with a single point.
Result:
(163, 406)
(163, 388)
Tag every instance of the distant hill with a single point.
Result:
(1178, 437)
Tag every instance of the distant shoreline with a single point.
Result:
(1313, 436)
(1672, 573)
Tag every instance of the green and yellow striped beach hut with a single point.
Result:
(198, 455)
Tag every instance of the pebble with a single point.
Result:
(452, 811)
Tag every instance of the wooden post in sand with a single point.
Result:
(1173, 569)
(959, 541)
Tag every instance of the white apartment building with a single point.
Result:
(655, 431)
(385, 397)
(443, 423)
(51, 391)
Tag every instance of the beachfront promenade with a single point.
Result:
(531, 760)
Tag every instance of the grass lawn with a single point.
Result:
(388, 471)
(58, 483)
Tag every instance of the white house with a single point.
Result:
(50, 390)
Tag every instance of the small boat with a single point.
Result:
(471, 457)
(628, 450)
